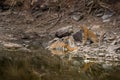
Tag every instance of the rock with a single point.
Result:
(118, 41)
(117, 50)
(95, 27)
(111, 49)
(87, 56)
(86, 49)
(78, 44)
(101, 54)
(14, 46)
(95, 49)
(106, 20)
(11, 45)
(99, 12)
(114, 47)
(109, 37)
(108, 55)
(86, 61)
(107, 66)
(102, 47)
(104, 17)
(77, 17)
(76, 63)
(30, 35)
(65, 31)
(114, 42)
(112, 38)
(78, 36)
(44, 7)
(109, 59)
(116, 58)
(101, 59)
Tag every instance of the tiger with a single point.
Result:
(88, 35)
(63, 46)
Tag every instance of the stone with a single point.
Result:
(99, 12)
(87, 61)
(114, 42)
(116, 58)
(77, 17)
(110, 36)
(107, 66)
(108, 55)
(101, 59)
(76, 63)
(78, 36)
(101, 54)
(106, 20)
(95, 49)
(109, 59)
(95, 27)
(117, 50)
(86, 49)
(87, 56)
(78, 44)
(63, 32)
(9, 45)
(114, 47)
(29, 35)
(106, 16)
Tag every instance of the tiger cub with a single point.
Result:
(88, 35)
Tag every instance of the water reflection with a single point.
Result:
(99, 72)
(43, 66)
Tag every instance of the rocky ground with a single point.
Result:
(107, 50)
(22, 40)
(16, 33)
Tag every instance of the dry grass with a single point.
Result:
(17, 70)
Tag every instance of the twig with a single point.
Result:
(91, 7)
(47, 22)
(55, 23)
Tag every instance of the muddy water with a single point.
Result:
(41, 65)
